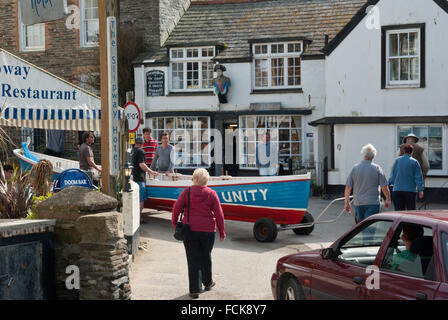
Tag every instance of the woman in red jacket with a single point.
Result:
(205, 215)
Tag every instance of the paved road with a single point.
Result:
(242, 267)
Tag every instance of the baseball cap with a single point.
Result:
(139, 140)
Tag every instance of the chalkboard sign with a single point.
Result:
(155, 82)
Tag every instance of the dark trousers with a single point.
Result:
(404, 200)
(198, 247)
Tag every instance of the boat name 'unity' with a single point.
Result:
(244, 195)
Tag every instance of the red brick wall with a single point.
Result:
(63, 55)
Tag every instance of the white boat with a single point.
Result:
(29, 158)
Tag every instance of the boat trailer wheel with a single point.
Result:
(265, 230)
(307, 218)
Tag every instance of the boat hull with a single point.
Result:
(59, 164)
(282, 199)
(27, 164)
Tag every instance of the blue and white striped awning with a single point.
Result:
(31, 97)
(43, 118)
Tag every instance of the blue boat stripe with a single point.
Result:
(286, 195)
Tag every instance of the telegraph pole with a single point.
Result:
(106, 8)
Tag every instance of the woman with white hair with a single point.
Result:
(205, 214)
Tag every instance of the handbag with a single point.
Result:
(182, 230)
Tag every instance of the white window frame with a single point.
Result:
(175, 131)
(432, 172)
(269, 56)
(274, 138)
(185, 60)
(402, 83)
(82, 28)
(23, 33)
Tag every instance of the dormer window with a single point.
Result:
(191, 68)
(277, 65)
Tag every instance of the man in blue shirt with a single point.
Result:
(266, 156)
(406, 178)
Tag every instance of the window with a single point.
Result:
(89, 23)
(191, 68)
(403, 54)
(32, 37)
(190, 137)
(431, 137)
(445, 251)
(411, 252)
(277, 65)
(363, 246)
(37, 139)
(286, 133)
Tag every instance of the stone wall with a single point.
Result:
(143, 15)
(88, 235)
(103, 257)
(154, 19)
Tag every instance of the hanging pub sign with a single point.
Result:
(38, 11)
(155, 83)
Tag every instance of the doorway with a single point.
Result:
(230, 147)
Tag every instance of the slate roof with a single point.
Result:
(236, 25)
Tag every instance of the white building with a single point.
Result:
(386, 75)
(272, 53)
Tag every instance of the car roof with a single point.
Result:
(439, 215)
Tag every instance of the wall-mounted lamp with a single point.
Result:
(127, 170)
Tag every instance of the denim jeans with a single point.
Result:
(365, 211)
(198, 247)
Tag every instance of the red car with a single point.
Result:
(374, 260)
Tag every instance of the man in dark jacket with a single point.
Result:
(139, 170)
(418, 153)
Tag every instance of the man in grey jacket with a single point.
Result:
(365, 179)
(163, 161)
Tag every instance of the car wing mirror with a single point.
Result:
(327, 253)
